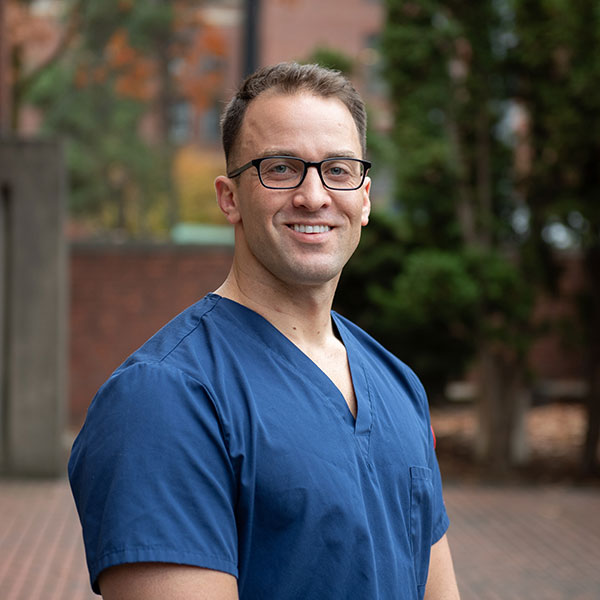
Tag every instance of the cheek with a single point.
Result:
(359, 212)
(257, 222)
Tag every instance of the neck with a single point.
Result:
(301, 312)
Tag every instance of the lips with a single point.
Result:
(310, 228)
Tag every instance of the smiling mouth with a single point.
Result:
(310, 228)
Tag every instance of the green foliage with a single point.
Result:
(453, 273)
(439, 64)
(444, 277)
(557, 73)
(114, 176)
(430, 309)
(433, 307)
(145, 22)
(331, 58)
(94, 98)
(557, 66)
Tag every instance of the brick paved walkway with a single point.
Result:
(41, 550)
(508, 543)
(525, 543)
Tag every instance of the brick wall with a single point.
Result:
(295, 29)
(120, 295)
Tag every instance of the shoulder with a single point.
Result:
(183, 330)
(188, 343)
(173, 381)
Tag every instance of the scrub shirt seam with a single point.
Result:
(294, 366)
(135, 548)
(184, 337)
(350, 340)
(162, 361)
(440, 527)
(371, 410)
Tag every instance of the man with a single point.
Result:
(259, 445)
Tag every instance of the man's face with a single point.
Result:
(271, 238)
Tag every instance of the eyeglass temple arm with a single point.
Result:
(240, 170)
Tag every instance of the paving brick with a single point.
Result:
(41, 549)
(521, 543)
(509, 543)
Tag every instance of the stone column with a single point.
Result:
(33, 308)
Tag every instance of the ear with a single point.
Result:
(227, 198)
(366, 209)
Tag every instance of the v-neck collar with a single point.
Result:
(275, 341)
(360, 380)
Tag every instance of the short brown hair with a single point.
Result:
(289, 78)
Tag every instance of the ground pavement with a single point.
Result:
(509, 543)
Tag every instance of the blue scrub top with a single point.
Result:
(220, 444)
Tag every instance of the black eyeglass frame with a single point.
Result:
(307, 164)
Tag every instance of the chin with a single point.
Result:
(312, 276)
(304, 270)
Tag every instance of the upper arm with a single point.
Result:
(441, 581)
(156, 581)
(151, 475)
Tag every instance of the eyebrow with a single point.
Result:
(292, 153)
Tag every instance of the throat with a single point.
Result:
(332, 359)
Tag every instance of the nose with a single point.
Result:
(312, 194)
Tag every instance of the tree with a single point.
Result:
(114, 96)
(454, 194)
(331, 58)
(497, 119)
(24, 33)
(556, 71)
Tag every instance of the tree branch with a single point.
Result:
(70, 32)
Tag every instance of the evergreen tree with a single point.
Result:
(457, 291)
(497, 122)
(555, 64)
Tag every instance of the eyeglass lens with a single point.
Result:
(337, 173)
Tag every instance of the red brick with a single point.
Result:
(120, 296)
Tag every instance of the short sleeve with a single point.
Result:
(151, 474)
(440, 520)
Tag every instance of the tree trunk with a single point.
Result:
(591, 465)
(165, 103)
(503, 403)
(5, 109)
(484, 179)
(465, 213)
(590, 462)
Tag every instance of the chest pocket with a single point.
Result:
(421, 522)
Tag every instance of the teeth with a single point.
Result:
(311, 228)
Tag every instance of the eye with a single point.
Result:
(280, 169)
(338, 169)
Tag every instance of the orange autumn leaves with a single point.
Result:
(136, 73)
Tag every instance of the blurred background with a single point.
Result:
(480, 267)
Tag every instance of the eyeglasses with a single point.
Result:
(288, 172)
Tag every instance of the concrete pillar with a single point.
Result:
(33, 308)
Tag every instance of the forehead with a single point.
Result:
(304, 124)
